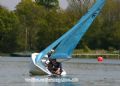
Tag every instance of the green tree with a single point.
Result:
(103, 30)
(55, 27)
(8, 30)
(80, 6)
(48, 3)
(116, 35)
(32, 18)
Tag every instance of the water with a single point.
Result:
(14, 71)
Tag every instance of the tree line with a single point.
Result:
(32, 26)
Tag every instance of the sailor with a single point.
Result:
(50, 53)
(48, 56)
(55, 67)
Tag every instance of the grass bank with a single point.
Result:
(80, 53)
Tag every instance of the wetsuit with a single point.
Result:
(52, 67)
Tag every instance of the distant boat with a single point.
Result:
(65, 45)
(21, 54)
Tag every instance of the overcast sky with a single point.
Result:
(10, 4)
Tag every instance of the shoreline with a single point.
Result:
(78, 53)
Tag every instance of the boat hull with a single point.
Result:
(41, 69)
(34, 70)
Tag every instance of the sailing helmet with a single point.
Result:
(52, 50)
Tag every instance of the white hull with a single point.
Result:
(40, 70)
(34, 70)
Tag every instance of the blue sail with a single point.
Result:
(65, 45)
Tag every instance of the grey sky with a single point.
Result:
(10, 4)
(63, 4)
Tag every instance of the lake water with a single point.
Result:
(14, 71)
